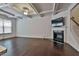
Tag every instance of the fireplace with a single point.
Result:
(58, 36)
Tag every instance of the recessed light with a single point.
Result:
(25, 13)
(26, 10)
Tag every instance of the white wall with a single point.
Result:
(37, 27)
(71, 38)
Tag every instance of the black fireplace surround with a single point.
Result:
(58, 36)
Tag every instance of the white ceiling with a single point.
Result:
(43, 6)
(36, 8)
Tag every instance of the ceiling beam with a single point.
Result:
(47, 11)
(4, 5)
(7, 12)
(54, 7)
(43, 12)
(37, 13)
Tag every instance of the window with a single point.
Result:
(5, 26)
(1, 26)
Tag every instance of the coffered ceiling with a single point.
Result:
(40, 8)
(20, 7)
(43, 6)
(34, 8)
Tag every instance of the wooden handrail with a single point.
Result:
(72, 18)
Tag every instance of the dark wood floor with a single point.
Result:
(36, 47)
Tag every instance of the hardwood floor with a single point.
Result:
(36, 47)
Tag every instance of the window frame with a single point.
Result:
(4, 29)
(4, 26)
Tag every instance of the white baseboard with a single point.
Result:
(74, 46)
(6, 37)
(33, 36)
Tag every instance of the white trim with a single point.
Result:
(74, 46)
(72, 5)
(47, 11)
(33, 36)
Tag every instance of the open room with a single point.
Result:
(39, 29)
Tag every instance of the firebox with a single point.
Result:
(58, 36)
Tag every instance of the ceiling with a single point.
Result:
(20, 7)
(43, 6)
(40, 8)
(34, 8)
(61, 7)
